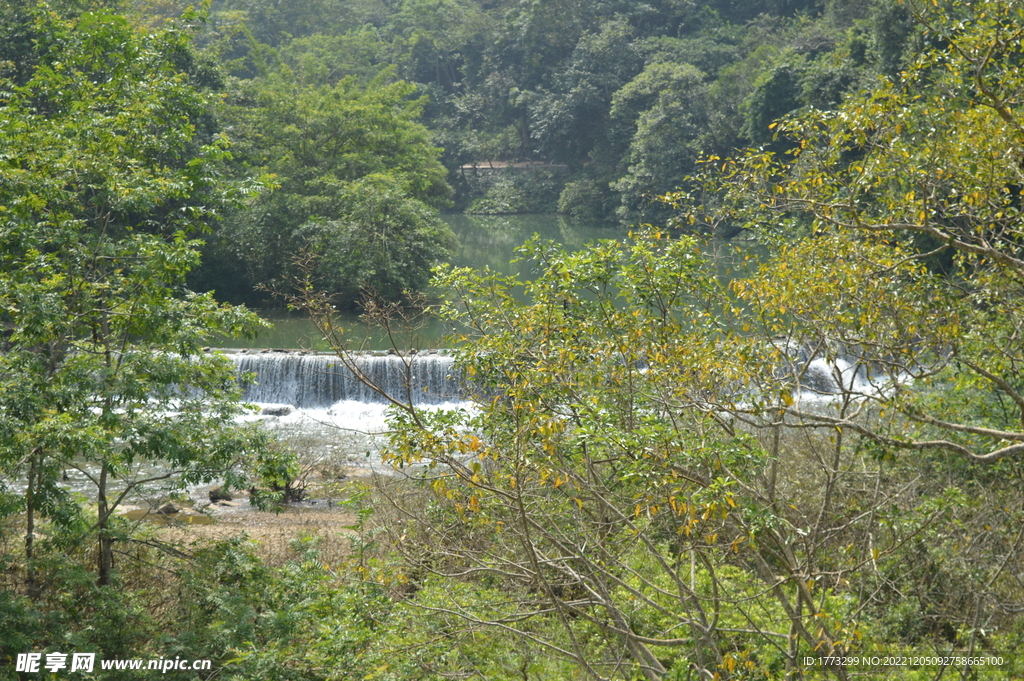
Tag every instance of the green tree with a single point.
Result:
(18, 31)
(572, 118)
(687, 476)
(356, 174)
(927, 170)
(105, 182)
(666, 103)
(609, 493)
(895, 224)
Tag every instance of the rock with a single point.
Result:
(277, 410)
(220, 494)
(168, 509)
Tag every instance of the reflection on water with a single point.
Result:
(491, 240)
(484, 241)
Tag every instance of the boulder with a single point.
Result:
(220, 494)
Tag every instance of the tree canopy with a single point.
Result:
(357, 186)
(669, 472)
(512, 81)
(107, 178)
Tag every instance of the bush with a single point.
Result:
(585, 199)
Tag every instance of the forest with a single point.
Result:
(771, 428)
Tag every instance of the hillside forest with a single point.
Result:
(588, 109)
(771, 429)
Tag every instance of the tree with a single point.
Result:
(105, 183)
(921, 181)
(572, 118)
(668, 474)
(354, 171)
(666, 104)
(915, 189)
(18, 59)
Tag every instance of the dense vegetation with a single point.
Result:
(668, 473)
(591, 109)
(626, 95)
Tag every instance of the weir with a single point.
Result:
(312, 381)
(320, 381)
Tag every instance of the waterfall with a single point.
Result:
(311, 381)
(818, 375)
(823, 377)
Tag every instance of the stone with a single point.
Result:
(277, 410)
(220, 494)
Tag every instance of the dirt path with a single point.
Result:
(273, 533)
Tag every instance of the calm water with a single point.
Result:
(485, 241)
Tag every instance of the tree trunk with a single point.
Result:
(106, 551)
(31, 579)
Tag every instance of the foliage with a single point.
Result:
(75, 614)
(582, 199)
(357, 182)
(511, 81)
(667, 475)
(104, 184)
(666, 101)
(513, 190)
(918, 186)
(656, 481)
(18, 31)
(664, 475)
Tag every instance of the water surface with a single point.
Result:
(484, 241)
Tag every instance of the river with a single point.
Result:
(483, 241)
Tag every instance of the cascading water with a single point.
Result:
(823, 377)
(322, 381)
(323, 411)
(816, 377)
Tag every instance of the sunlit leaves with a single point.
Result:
(895, 223)
(106, 181)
